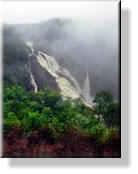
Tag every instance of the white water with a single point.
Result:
(30, 45)
(65, 85)
(33, 82)
(86, 90)
(51, 65)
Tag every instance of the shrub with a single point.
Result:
(106, 108)
(11, 122)
(33, 121)
(48, 97)
(47, 112)
(15, 99)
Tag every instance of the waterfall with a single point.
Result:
(30, 45)
(49, 63)
(33, 82)
(68, 85)
(52, 66)
(86, 89)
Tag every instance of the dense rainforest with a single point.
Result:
(42, 124)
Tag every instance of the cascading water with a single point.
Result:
(33, 81)
(51, 65)
(68, 85)
(30, 44)
(86, 90)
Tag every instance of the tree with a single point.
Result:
(15, 99)
(112, 115)
(107, 108)
(48, 97)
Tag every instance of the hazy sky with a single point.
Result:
(36, 11)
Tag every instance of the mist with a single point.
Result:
(82, 36)
(34, 11)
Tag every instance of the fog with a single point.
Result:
(87, 38)
(34, 11)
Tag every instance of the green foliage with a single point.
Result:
(48, 97)
(11, 122)
(103, 96)
(45, 110)
(56, 127)
(33, 121)
(102, 100)
(99, 132)
(15, 99)
(112, 114)
(107, 108)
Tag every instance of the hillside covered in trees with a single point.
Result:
(42, 124)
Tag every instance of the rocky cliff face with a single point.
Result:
(56, 55)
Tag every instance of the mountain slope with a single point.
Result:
(58, 55)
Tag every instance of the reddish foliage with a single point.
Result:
(75, 144)
(69, 145)
(15, 143)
